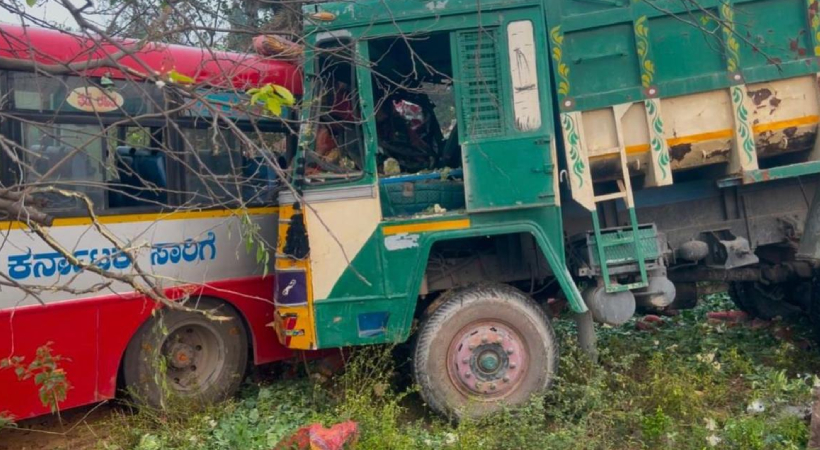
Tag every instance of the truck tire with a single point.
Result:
(763, 301)
(486, 347)
(205, 359)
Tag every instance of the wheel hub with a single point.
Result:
(195, 356)
(181, 355)
(487, 359)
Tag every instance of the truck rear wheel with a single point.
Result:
(763, 301)
(486, 347)
(188, 355)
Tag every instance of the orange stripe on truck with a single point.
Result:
(719, 134)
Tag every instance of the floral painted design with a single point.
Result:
(573, 142)
(656, 141)
(732, 46)
(557, 39)
(746, 143)
(814, 20)
(642, 42)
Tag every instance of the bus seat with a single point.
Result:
(151, 168)
(143, 178)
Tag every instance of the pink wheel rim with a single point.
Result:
(487, 360)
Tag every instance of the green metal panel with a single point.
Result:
(619, 246)
(679, 38)
(375, 12)
(604, 58)
(503, 167)
(611, 52)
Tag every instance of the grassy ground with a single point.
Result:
(691, 384)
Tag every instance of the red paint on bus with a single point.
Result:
(226, 69)
(91, 335)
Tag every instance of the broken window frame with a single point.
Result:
(309, 135)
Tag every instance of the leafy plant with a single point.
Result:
(45, 369)
(6, 420)
(684, 386)
(272, 97)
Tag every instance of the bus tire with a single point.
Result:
(204, 359)
(487, 347)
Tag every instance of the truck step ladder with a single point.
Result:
(609, 244)
(618, 238)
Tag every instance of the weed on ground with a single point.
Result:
(685, 383)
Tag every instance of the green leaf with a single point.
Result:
(177, 77)
(260, 254)
(285, 94)
(274, 105)
(31, 2)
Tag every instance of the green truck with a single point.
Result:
(458, 159)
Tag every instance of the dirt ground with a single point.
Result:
(79, 429)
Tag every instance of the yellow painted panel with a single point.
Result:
(422, 227)
(288, 263)
(152, 217)
(294, 327)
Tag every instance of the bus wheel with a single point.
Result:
(187, 355)
(485, 348)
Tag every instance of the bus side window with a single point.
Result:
(213, 163)
(136, 168)
(64, 156)
(221, 171)
(258, 178)
(142, 178)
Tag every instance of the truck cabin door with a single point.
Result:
(504, 114)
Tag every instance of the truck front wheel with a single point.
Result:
(485, 348)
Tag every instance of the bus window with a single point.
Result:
(213, 162)
(69, 94)
(259, 178)
(220, 168)
(136, 165)
(65, 156)
(141, 178)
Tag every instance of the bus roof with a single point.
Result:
(226, 69)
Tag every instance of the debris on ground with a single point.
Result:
(556, 306)
(328, 367)
(755, 407)
(317, 437)
(649, 322)
(727, 317)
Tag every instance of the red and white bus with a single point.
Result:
(99, 132)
